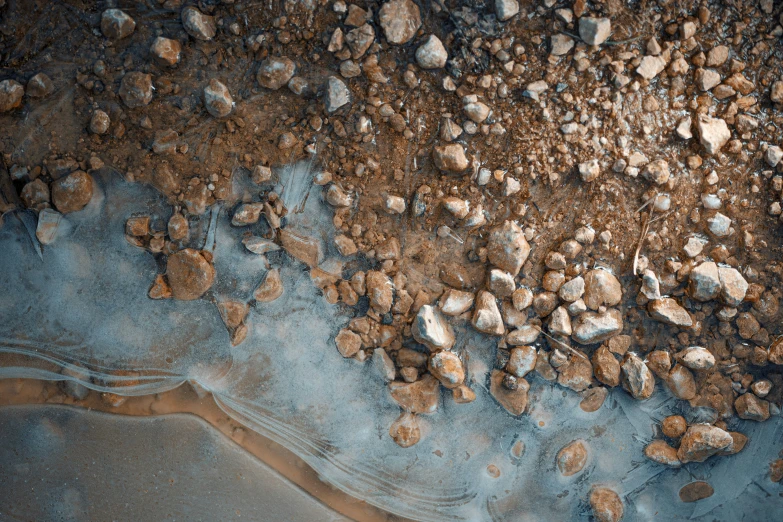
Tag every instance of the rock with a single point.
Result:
(638, 380)
(189, 274)
(592, 327)
(165, 142)
(379, 290)
(601, 289)
(456, 302)
(773, 155)
(681, 383)
(217, 99)
(506, 9)
(750, 407)
(507, 247)
(399, 19)
(416, 397)
(571, 459)
(696, 491)
(561, 44)
(696, 358)
(73, 192)
(259, 246)
(706, 79)
(668, 311)
(431, 54)
(651, 288)
(737, 445)
(605, 367)
(572, 290)
(733, 286)
(656, 171)
(713, 133)
(197, 24)
(501, 283)
(384, 365)
(650, 67)
(39, 86)
(405, 430)
(35, 195)
(463, 394)
(48, 226)
(337, 197)
(486, 317)
(165, 51)
(702, 441)
(526, 334)
(477, 112)
(719, 225)
(359, 40)
(776, 352)
(306, 249)
(513, 401)
(717, 56)
(606, 505)
(660, 452)
(450, 158)
(593, 399)
(674, 426)
(594, 31)
(136, 89)
(704, 282)
(394, 204)
(684, 128)
(337, 94)
(431, 329)
(275, 72)
(99, 122)
(348, 343)
(447, 368)
(576, 374)
(270, 288)
(589, 170)
(11, 94)
(137, 226)
(116, 24)
(522, 361)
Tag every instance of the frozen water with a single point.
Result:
(84, 302)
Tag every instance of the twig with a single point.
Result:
(575, 352)
(645, 229)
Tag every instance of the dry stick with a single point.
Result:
(645, 229)
(575, 352)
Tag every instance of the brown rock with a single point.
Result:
(507, 247)
(416, 397)
(270, 288)
(380, 291)
(178, 227)
(275, 72)
(197, 24)
(165, 51)
(593, 399)
(638, 380)
(513, 401)
(750, 407)
(116, 24)
(136, 89)
(660, 362)
(189, 274)
(73, 192)
(660, 452)
(681, 383)
(462, 394)
(160, 288)
(605, 503)
(702, 441)
(450, 158)
(571, 459)
(217, 99)
(601, 289)
(39, 86)
(738, 444)
(447, 368)
(348, 343)
(35, 195)
(11, 94)
(668, 311)
(605, 367)
(696, 491)
(576, 374)
(405, 430)
(400, 19)
(306, 249)
(674, 426)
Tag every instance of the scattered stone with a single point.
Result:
(166, 51)
(696, 358)
(431, 54)
(73, 192)
(594, 31)
(380, 291)
(189, 274)
(702, 441)
(638, 380)
(704, 282)
(650, 67)
(11, 94)
(136, 89)
(270, 288)
(48, 226)
(576, 374)
(713, 133)
(348, 343)
(719, 225)
(507, 247)
(605, 367)
(301, 247)
(399, 19)
(416, 397)
(733, 287)
(486, 317)
(602, 289)
(668, 311)
(561, 44)
(696, 491)
(197, 24)
(447, 368)
(589, 170)
(116, 24)
(337, 94)
(275, 72)
(593, 399)
(501, 283)
(571, 459)
(99, 122)
(657, 171)
(773, 155)
(513, 401)
(450, 158)
(217, 99)
(750, 407)
(456, 302)
(405, 430)
(680, 382)
(674, 426)
(660, 452)
(684, 128)
(606, 505)
(596, 327)
(431, 329)
(506, 9)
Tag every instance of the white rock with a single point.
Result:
(337, 94)
(696, 358)
(719, 225)
(733, 287)
(506, 9)
(713, 133)
(521, 361)
(477, 111)
(594, 31)
(684, 128)
(455, 302)
(650, 67)
(487, 318)
(561, 44)
(589, 170)
(773, 155)
(431, 54)
(431, 329)
(394, 204)
(560, 322)
(704, 282)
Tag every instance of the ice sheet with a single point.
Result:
(85, 302)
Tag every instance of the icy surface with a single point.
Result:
(60, 463)
(84, 301)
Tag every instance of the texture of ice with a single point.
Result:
(63, 463)
(84, 302)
